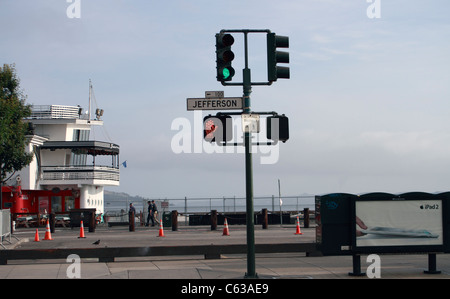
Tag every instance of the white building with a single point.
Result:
(64, 158)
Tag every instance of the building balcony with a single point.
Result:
(94, 148)
(85, 163)
(81, 175)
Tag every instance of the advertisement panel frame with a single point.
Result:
(397, 245)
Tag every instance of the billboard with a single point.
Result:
(415, 224)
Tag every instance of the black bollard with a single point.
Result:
(213, 219)
(306, 217)
(131, 221)
(265, 219)
(174, 220)
(51, 222)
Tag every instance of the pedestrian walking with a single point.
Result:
(149, 210)
(154, 212)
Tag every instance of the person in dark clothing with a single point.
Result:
(132, 209)
(149, 209)
(152, 212)
(154, 209)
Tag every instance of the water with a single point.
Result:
(225, 204)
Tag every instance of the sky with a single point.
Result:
(368, 97)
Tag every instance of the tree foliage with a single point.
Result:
(13, 129)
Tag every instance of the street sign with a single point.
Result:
(214, 94)
(250, 123)
(215, 103)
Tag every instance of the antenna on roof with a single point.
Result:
(89, 108)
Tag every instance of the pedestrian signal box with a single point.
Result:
(217, 128)
(278, 128)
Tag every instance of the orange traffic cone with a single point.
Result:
(298, 232)
(36, 236)
(48, 235)
(81, 230)
(161, 231)
(226, 232)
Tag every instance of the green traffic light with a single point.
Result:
(226, 73)
(224, 57)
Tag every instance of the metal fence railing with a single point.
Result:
(5, 226)
(221, 204)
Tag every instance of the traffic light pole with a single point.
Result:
(250, 218)
(247, 86)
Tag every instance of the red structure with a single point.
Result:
(36, 203)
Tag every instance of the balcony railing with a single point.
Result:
(54, 112)
(80, 173)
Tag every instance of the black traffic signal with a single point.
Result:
(274, 71)
(217, 128)
(224, 57)
(277, 128)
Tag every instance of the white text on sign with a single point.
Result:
(214, 104)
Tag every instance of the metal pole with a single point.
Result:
(279, 198)
(356, 260)
(432, 264)
(89, 109)
(251, 273)
(185, 211)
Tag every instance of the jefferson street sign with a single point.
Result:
(215, 103)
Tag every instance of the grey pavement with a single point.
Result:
(233, 266)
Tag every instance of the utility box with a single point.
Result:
(334, 223)
(167, 219)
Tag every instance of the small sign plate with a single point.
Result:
(214, 94)
(250, 123)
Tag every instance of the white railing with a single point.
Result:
(70, 173)
(54, 112)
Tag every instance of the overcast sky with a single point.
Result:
(368, 99)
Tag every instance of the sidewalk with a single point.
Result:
(268, 266)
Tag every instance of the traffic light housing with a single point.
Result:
(217, 128)
(274, 57)
(224, 57)
(277, 128)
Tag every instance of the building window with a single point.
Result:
(56, 204)
(80, 135)
(69, 203)
(43, 204)
(79, 159)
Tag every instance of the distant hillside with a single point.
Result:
(120, 200)
(121, 196)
